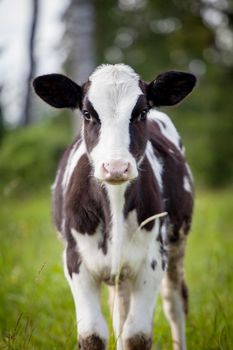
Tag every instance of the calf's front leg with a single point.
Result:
(92, 328)
(137, 329)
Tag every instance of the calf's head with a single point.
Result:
(114, 103)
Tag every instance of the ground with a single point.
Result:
(36, 307)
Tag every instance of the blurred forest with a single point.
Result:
(152, 37)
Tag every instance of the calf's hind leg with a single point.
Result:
(175, 293)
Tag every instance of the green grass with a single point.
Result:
(36, 307)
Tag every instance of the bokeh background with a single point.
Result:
(73, 37)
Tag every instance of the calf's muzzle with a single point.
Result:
(116, 171)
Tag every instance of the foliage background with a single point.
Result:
(151, 36)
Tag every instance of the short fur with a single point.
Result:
(100, 222)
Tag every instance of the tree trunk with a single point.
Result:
(26, 112)
(2, 127)
(80, 31)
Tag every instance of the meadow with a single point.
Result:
(36, 307)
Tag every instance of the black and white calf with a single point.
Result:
(127, 165)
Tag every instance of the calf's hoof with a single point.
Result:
(138, 342)
(92, 342)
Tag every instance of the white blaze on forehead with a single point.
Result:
(113, 92)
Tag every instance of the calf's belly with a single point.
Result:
(134, 251)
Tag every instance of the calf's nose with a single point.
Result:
(116, 169)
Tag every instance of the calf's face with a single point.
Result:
(115, 109)
(114, 105)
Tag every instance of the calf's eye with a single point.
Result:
(139, 117)
(143, 115)
(87, 115)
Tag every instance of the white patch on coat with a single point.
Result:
(86, 296)
(183, 149)
(76, 153)
(144, 290)
(118, 233)
(164, 230)
(113, 92)
(142, 303)
(54, 185)
(126, 256)
(169, 131)
(189, 173)
(186, 184)
(155, 163)
(119, 71)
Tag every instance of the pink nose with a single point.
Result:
(116, 170)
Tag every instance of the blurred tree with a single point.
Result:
(80, 19)
(2, 126)
(26, 111)
(218, 17)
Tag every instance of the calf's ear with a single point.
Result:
(170, 88)
(58, 90)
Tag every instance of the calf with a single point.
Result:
(127, 165)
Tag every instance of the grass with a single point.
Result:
(36, 307)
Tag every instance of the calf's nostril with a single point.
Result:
(106, 167)
(126, 169)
